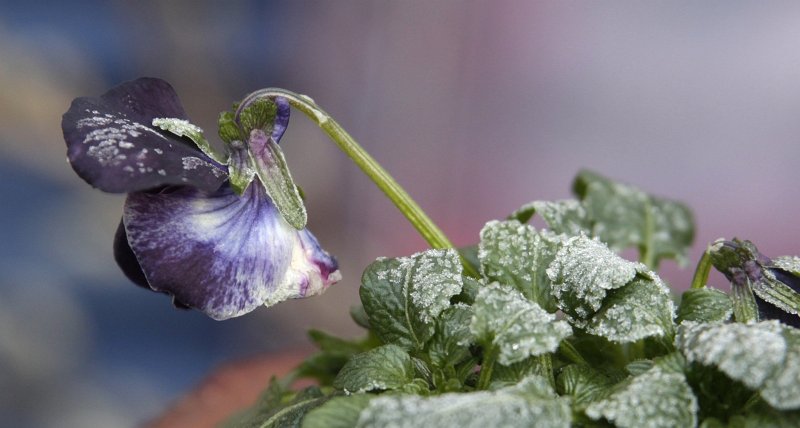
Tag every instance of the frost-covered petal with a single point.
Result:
(223, 254)
(112, 144)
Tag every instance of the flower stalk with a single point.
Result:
(388, 185)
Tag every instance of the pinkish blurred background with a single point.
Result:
(476, 108)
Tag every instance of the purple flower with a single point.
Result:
(773, 283)
(198, 224)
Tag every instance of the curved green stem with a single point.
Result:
(401, 199)
(700, 278)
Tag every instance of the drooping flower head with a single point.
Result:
(222, 231)
(773, 283)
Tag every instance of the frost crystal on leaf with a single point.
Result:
(403, 296)
(582, 273)
(788, 263)
(503, 318)
(749, 353)
(782, 390)
(516, 254)
(382, 368)
(530, 403)
(566, 216)
(641, 309)
(656, 399)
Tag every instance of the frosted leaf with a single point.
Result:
(530, 403)
(787, 263)
(436, 277)
(184, 128)
(624, 216)
(519, 328)
(782, 390)
(641, 309)
(656, 398)
(773, 290)
(583, 271)
(566, 216)
(404, 296)
(516, 254)
(749, 353)
(382, 368)
(705, 305)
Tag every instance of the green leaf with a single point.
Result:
(516, 327)
(782, 389)
(564, 217)
(790, 264)
(772, 290)
(656, 398)
(403, 296)
(530, 403)
(384, 368)
(641, 309)
(338, 412)
(451, 339)
(335, 352)
(516, 254)
(584, 384)
(624, 216)
(705, 305)
(271, 168)
(183, 128)
(513, 373)
(278, 409)
(359, 316)
(749, 353)
(583, 271)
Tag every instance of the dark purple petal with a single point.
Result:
(223, 254)
(125, 258)
(112, 144)
(281, 118)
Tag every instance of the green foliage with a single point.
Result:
(558, 330)
(705, 305)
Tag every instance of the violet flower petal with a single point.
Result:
(281, 118)
(112, 144)
(223, 254)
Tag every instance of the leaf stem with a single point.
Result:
(700, 278)
(487, 365)
(401, 199)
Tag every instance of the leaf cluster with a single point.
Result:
(557, 330)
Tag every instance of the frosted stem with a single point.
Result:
(401, 199)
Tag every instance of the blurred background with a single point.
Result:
(476, 108)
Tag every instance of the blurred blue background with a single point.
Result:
(476, 107)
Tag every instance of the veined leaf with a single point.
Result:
(563, 217)
(705, 305)
(383, 368)
(403, 296)
(624, 216)
(516, 254)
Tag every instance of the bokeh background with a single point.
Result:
(476, 107)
